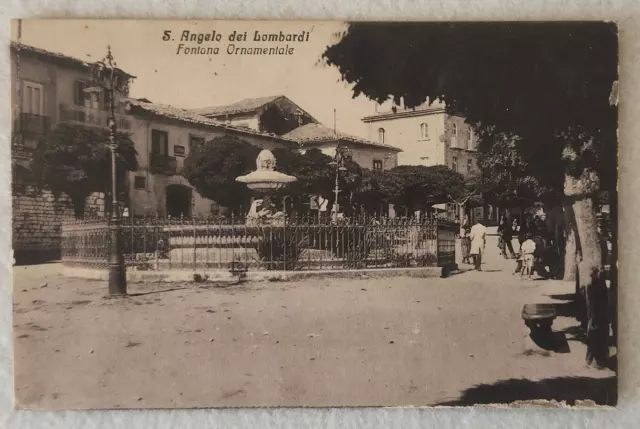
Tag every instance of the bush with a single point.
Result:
(280, 248)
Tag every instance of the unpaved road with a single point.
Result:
(393, 342)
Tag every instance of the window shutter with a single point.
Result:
(79, 99)
(155, 143)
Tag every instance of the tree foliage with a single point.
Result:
(421, 187)
(212, 170)
(76, 160)
(541, 82)
(313, 172)
(510, 180)
(360, 188)
(376, 189)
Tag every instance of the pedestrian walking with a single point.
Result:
(465, 241)
(527, 227)
(478, 236)
(505, 230)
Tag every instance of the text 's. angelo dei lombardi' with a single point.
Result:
(253, 42)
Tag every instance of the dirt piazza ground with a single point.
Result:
(321, 342)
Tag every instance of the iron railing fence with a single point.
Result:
(293, 244)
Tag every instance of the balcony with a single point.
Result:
(74, 114)
(163, 164)
(31, 125)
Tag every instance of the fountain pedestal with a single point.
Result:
(262, 180)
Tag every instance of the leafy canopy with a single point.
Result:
(548, 83)
(76, 160)
(212, 170)
(421, 187)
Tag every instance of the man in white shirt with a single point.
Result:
(478, 236)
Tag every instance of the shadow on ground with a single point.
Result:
(603, 391)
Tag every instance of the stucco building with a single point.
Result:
(366, 153)
(49, 88)
(164, 136)
(428, 135)
(275, 114)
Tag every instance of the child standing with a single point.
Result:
(527, 249)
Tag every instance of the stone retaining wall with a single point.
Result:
(37, 220)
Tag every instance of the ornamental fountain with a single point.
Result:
(262, 180)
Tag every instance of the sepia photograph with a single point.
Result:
(216, 214)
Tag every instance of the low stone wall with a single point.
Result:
(37, 217)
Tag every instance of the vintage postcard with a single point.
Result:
(313, 214)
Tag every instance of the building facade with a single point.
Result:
(366, 153)
(48, 89)
(274, 114)
(428, 135)
(164, 136)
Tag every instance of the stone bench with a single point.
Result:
(539, 317)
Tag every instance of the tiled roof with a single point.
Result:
(318, 133)
(243, 106)
(184, 115)
(55, 56)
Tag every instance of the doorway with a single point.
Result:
(179, 200)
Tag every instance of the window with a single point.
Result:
(87, 99)
(424, 131)
(377, 164)
(178, 150)
(139, 182)
(469, 165)
(381, 135)
(454, 164)
(159, 143)
(194, 142)
(454, 133)
(33, 98)
(470, 140)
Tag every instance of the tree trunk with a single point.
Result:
(570, 249)
(591, 276)
(613, 261)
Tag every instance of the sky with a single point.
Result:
(193, 81)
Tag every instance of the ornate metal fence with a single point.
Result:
(295, 244)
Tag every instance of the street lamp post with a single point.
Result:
(111, 79)
(338, 162)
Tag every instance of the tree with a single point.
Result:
(470, 195)
(376, 189)
(76, 160)
(421, 187)
(549, 84)
(275, 120)
(316, 175)
(212, 170)
(313, 172)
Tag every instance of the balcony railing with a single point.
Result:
(33, 125)
(71, 113)
(163, 164)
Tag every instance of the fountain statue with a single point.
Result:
(264, 179)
